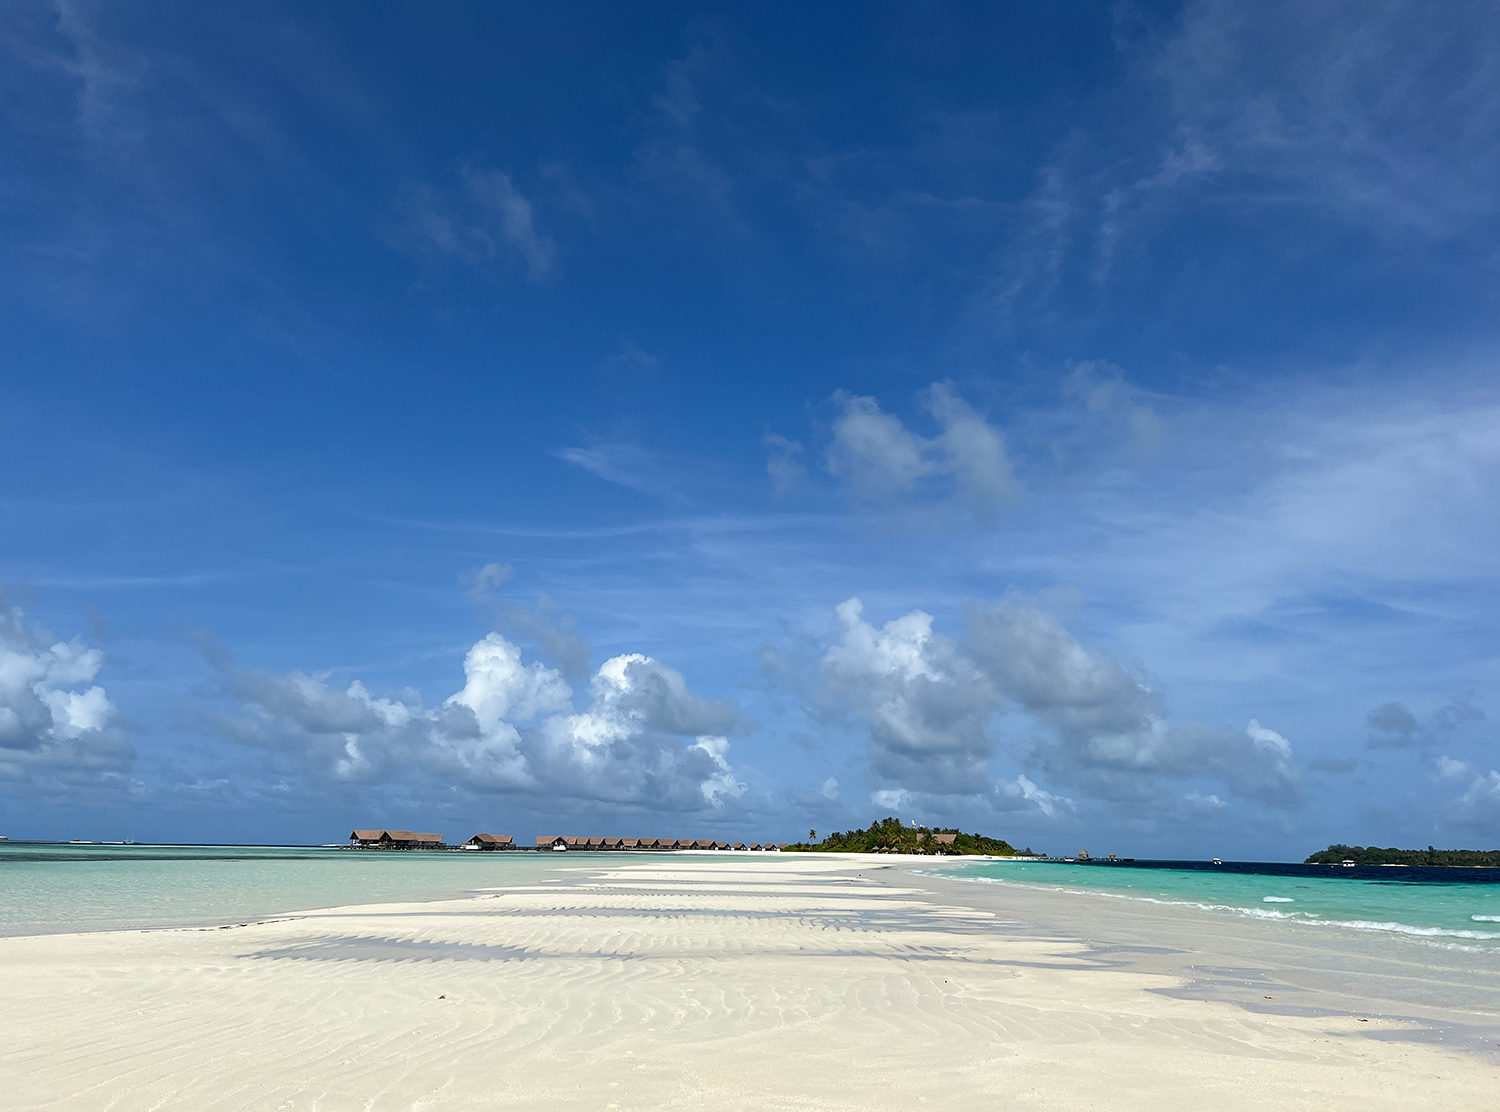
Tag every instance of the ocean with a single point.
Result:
(49, 888)
(1458, 907)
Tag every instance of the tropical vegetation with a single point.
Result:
(1374, 855)
(889, 835)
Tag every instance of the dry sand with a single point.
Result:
(775, 982)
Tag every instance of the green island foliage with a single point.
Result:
(1374, 855)
(890, 836)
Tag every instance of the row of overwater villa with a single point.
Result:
(409, 839)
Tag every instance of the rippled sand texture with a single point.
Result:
(767, 983)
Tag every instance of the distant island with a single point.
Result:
(889, 836)
(1374, 855)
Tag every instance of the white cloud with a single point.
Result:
(627, 465)
(55, 721)
(1478, 808)
(1451, 768)
(1113, 409)
(1373, 113)
(880, 459)
(643, 739)
(485, 579)
(874, 452)
(1106, 727)
(926, 708)
(511, 216)
(930, 707)
(783, 462)
(486, 218)
(1007, 794)
(499, 688)
(722, 784)
(891, 799)
(972, 449)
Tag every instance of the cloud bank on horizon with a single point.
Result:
(1076, 425)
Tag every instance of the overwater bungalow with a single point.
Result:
(394, 839)
(489, 842)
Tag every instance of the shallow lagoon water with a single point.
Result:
(1459, 906)
(60, 888)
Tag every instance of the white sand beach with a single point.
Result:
(761, 982)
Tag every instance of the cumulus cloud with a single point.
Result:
(643, 737)
(877, 455)
(1106, 729)
(347, 732)
(55, 721)
(971, 449)
(930, 706)
(880, 459)
(925, 706)
(1478, 806)
(891, 799)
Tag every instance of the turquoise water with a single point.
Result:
(1389, 901)
(52, 889)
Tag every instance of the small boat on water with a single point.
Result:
(1216, 861)
(1348, 862)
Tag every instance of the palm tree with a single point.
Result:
(812, 836)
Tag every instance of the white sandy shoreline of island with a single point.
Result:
(784, 981)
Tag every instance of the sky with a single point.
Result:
(1074, 423)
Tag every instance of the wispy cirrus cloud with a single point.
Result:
(481, 219)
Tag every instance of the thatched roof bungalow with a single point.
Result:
(395, 839)
(490, 841)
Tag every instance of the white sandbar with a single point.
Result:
(775, 982)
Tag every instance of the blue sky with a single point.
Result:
(1072, 422)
